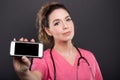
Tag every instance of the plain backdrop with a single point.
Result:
(97, 28)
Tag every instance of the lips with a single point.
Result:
(67, 33)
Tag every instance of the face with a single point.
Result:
(61, 26)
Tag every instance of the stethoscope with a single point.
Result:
(78, 63)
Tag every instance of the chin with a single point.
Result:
(66, 40)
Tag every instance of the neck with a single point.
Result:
(64, 47)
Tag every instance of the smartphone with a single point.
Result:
(28, 49)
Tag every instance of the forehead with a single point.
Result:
(58, 13)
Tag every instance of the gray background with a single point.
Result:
(96, 24)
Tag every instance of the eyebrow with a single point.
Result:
(59, 19)
(67, 17)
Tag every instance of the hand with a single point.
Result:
(22, 64)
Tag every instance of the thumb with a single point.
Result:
(26, 61)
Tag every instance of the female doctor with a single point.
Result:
(63, 61)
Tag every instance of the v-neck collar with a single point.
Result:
(54, 52)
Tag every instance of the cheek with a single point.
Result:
(72, 27)
(55, 32)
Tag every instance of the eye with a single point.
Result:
(68, 19)
(56, 23)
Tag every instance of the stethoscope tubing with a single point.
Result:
(78, 63)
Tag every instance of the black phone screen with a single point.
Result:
(26, 49)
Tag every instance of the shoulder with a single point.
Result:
(85, 51)
(47, 51)
(87, 54)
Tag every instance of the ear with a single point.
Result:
(47, 30)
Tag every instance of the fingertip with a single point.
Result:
(25, 40)
(32, 40)
(21, 39)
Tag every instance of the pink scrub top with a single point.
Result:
(66, 71)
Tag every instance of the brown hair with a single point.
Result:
(42, 21)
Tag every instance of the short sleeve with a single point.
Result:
(98, 75)
(95, 67)
(93, 64)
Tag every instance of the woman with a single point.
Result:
(63, 61)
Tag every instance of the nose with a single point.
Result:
(65, 26)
